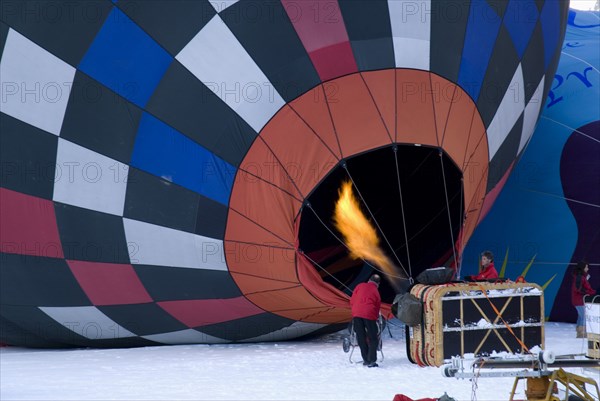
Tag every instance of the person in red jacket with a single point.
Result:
(488, 270)
(366, 302)
(580, 288)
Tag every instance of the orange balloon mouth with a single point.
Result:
(304, 142)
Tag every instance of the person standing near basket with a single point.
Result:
(366, 303)
(488, 271)
(580, 288)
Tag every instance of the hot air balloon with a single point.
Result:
(170, 168)
(547, 217)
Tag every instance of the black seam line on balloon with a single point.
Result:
(464, 161)
(259, 225)
(480, 210)
(264, 278)
(435, 126)
(395, 105)
(261, 245)
(403, 215)
(320, 309)
(375, 219)
(274, 290)
(453, 243)
(458, 263)
(318, 312)
(441, 156)
(448, 115)
(479, 185)
(483, 181)
(240, 168)
(481, 138)
(341, 242)
(282, 167)
(314, 132)
(376, 108)
(332, 119)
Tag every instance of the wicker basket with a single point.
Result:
(476, 318)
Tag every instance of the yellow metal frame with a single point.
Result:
(574, 384)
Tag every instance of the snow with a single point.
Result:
(314, 369)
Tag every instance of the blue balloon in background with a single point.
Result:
(549, 210)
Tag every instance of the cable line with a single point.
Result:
(345, 166)
(346, 246)
(447, 203)
(395, 148)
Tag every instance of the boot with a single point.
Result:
(580, 331)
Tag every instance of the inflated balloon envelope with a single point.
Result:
(167, 186)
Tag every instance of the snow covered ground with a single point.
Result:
(316, 369)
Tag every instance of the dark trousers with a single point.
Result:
(366, 336)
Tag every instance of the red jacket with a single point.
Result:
(488, 273)
(366, 301)
(579, 288)
(402, 397)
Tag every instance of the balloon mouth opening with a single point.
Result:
(416, 230)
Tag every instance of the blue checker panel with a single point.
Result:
(482, 31)
(164, 152)
(520, 19)
(125, 59)
(550, 29)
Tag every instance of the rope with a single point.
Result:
(431, 220)
(447, 204)
(343, 243)
(474, 384)
(402, 209)
(499, 315)
(462, 231)
(374, 219)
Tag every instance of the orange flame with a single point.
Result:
(360, 236)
